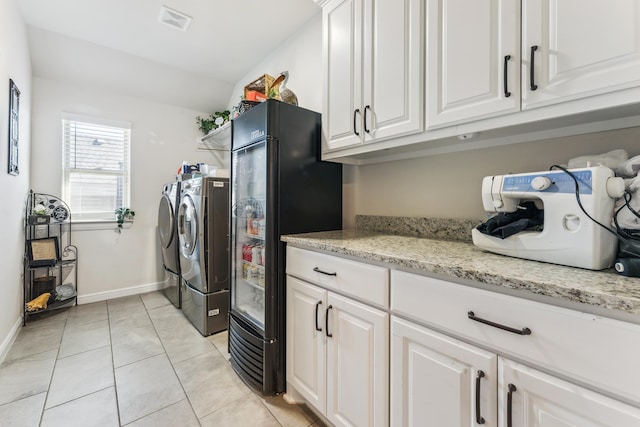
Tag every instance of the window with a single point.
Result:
(96, 167)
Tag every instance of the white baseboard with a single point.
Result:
(117, 293)
(13, 334)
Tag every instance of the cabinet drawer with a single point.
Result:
(590, 349)
(365, 282)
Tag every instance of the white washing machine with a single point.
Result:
(168, 231)
(203, 232)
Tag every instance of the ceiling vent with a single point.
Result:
(174, 19)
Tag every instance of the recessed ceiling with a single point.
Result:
(224, 41)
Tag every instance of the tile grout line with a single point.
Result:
(55, 364)
(113, 366)
(186, 395)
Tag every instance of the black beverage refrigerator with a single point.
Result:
(278, 186)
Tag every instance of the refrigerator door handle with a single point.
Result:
(318, 304)
(326, 322)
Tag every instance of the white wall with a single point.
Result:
(113, 264)
(301, 55)
(14, 64)
(448, 186)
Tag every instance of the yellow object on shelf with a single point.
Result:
(39, 303)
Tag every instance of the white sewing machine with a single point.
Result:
(568, 236)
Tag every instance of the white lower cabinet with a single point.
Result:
(439, 381)
(434, 376)
(338, 355)
(369, 346)
(530, 398)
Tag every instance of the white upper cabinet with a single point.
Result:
(569, 49)
(577, 48)
(373, 72)
(342, 56)
(419, 77)
(473, 60)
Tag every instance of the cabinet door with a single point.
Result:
(306, 342)
(342, 54)
(536, 399)
(437, 380)
(357, 364)
(584, 48)
(473, 60)
(393, 70)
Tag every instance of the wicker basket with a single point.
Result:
(262, 84)
(246, 106)
(44, 284)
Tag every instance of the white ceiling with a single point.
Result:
(121, 45)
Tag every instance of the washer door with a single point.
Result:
(187, 226)
(165, 221)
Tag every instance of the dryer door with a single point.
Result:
(165, 221)
(187, 227)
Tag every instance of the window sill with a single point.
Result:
(88, 225)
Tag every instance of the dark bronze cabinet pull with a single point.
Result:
(355, 114)
(318, 304)
(533, 86)
(506, 83)
(317, 270)
(479, 418)
(523, 331)
(368, 107)
(512, 389)
(326, 321)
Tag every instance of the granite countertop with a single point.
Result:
(462, 260)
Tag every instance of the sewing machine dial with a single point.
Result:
(541, 183)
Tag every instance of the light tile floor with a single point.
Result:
(133, 361)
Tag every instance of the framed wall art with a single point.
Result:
(43, 252)
(14, 116)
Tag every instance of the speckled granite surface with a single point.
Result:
(462, 260)
(430, 228)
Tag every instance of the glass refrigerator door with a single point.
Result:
(248, 233)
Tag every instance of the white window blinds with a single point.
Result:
(96, 164)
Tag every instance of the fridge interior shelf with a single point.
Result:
(218, 139)
(253, 274)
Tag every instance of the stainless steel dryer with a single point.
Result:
(203, 232)
(169, 245)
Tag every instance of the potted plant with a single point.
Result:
(214, 121)
(39, 215)
(122, 215)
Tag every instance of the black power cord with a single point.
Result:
(620, 234)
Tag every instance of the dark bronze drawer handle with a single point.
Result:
(533, 85)
(317, 270)
(326, 321)
(506, 77)
(479, 418)
(355, 116)
(367, 108)
(512, 389)
(523, 331)
(318, 304)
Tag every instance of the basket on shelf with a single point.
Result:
(245, 106)
(258, 89)
(44, 284)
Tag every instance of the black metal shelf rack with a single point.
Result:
(55, 223)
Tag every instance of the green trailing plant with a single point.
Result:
(213, 121)
(123, 214)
